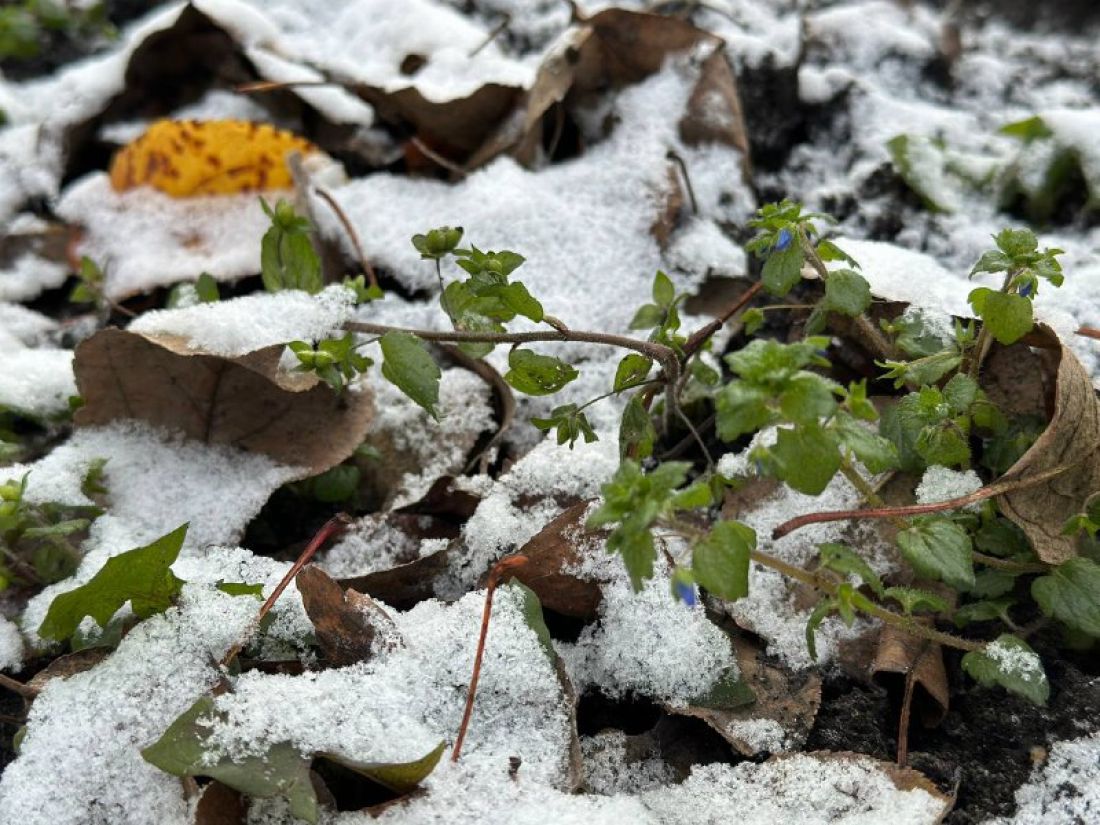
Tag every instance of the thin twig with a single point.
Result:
(15, 686)
(995, 489)
(497, 29)
(349, 228)
(700, 336)
(495, 575)
(437, 158)
(1089, 332)
(671, 155)
(330, 528)
(489, 374)
(907, 705)
(279, 85)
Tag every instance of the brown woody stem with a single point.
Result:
(495, 575)
(15, 686)
(995, 489)
(700, 336)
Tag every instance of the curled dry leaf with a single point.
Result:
(405, 585)
(350, 626)
(616, 48)
(220, 805)
(552, 554)
(1071, 439)
(788, 699)
(244, 401)
(902, 657)
(68, 665)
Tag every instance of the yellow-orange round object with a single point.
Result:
(214, 157)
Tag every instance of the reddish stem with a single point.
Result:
(334, 525)
(1089, 332)
(918, 509)
(699, 337)
(495, 575)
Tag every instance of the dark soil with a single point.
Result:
(988, 744)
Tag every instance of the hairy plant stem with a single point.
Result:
(665, 356)
(698, 338)
(989, 491)
(828, 585)
(330, 528)
(495, 575)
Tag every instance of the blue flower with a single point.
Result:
(685, 592)
(1027, 289)
(783, 241)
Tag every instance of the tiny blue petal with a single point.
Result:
(784, 240)
(686, 593)
(1025, 290)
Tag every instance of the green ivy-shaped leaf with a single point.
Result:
(534, 374)
(720, 560)
(409, 367)
(1011, 663)
(939, 549)
(1071, 594)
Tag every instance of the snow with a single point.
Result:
(28, 275)
(11, 645)
(611, 768)
(1062, 791)
(252, 322)
(942, 484)
(37, 383)
(20, 326)
(1015, 661)
(651, 644)
(760, 734)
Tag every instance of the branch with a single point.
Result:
(988, 491)
(700, 336)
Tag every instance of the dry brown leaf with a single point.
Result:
(551, 553)
(616, 48)
(245, 402)
(220, 805)
(350, 626)
(790, 699)
(1072, 438)
(901, 656)
(403, 586)
(68, 665)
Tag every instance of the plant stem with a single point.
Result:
(696, 340)
(1007, 564)
(331, 527)
(495, 575)
(15, 686)
(828, 586)
(666, 356)
(349, 230)
(989, 491)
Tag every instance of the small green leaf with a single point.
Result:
(519, 300)
(533, 617)
(399, 777)
(1027, 130)
(876, 453)
(1010, 663)
(983, 611)
(142, 576)
(647, 317)
(741, 408)
(636, 428)
(783, 269)
(535, 374)
(664, 293)
(806, 458)
(720, 560)
(960, 393)
(241, 589)
(1007, 317)
(938, 549)
(207, 288)
(753, 319)
(1071, 594)
(280, 771)
(409, 367)
(820, 612)
(844, 560)
(829, 251)
(632, 371)
(912, 600)
(729, 692)
(847, 292)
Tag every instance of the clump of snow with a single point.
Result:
(760, 734)
(1015, 661)
(942, 484)
(11, 645)
(369, 545)
(703, 247)
(649, 643)
(37, 383)
(143, 238)
(802, 788)
(20, 326)
(28, 276)
(1063, 791)
(611, 768)
(251, 322)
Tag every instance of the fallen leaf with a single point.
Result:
(616, 48)
(350, 627)
(901, 656)
(244, 401)
(68, 665)
(552, 554)
(405, 585)
(220, 805)
(789, 699)
(1072, 438)
(187, 158)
